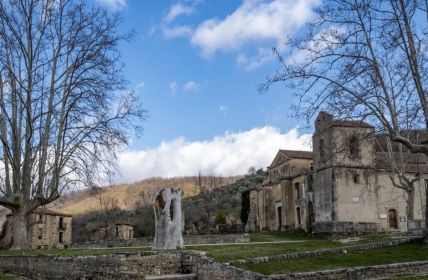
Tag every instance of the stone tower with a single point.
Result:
(342, 149)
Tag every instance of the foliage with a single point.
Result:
(245, 206)
(220, 218)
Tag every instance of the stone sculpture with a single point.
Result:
(167, 208)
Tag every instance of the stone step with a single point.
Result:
(191, 276)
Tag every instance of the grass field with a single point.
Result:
(224, 253)
(412, 251)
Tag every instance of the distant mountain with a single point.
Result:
(126, 196)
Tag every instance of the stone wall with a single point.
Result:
(313, 253)
(208, 269)
(116, 266)
(47, 231)
(148, 241)
(364, 272)
(138, 265)
(344, 228)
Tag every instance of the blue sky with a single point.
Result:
(196, 65)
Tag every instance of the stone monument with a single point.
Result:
(167, 207)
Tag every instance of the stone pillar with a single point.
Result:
(167, 207)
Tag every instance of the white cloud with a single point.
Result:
(113, 4)
(176, 10)
(263, 56)
(140, 86)
(259, 23)
(177, 31)
(228, 154)
(223, 109)
(322, 41)
(173, 87)
(191, 86)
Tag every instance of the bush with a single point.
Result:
(220, 218)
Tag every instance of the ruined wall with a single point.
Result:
(45, 231)
(110, 267)
(148, 241)
(370, 199)
(118, 231)
(253, 214)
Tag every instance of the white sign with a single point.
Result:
(355, 199)
(383, 216)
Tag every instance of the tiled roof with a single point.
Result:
(297, 154)
(413, 162)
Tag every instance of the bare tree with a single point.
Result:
(205, 186)
(405, 169)
(363, 59)
(64, 108)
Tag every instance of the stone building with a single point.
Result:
(114, 231)
(49, 229)
(344, 186)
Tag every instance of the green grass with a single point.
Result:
(279, 236)
(7, 277)
(236, 252)
(425, 277)
(413, 251)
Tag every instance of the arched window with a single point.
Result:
(354, 147)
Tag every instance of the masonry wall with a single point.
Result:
(148, 241)
(117, 266)
(45, 231)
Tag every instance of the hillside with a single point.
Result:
(126, 196)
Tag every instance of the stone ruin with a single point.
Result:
(167, 208)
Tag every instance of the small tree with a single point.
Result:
(245, 206)
(206, 185)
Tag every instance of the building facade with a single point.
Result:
(115, 231)
(49, 229)
(346, 185)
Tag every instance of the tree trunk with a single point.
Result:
(168, 215)
(20, 231)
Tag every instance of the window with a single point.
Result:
(117, 231)
(40, 218)
(61, 237)
(321, 148)
(356, 178)
(354, 147)
(40, 234)
(61, 222)
(297, 188)
(131, 234)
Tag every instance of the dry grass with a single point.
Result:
(127, 195)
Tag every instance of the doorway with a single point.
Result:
(393, 219)
(299, 218)
(279, 217)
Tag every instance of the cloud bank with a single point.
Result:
(250, 31)
(227, 154)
